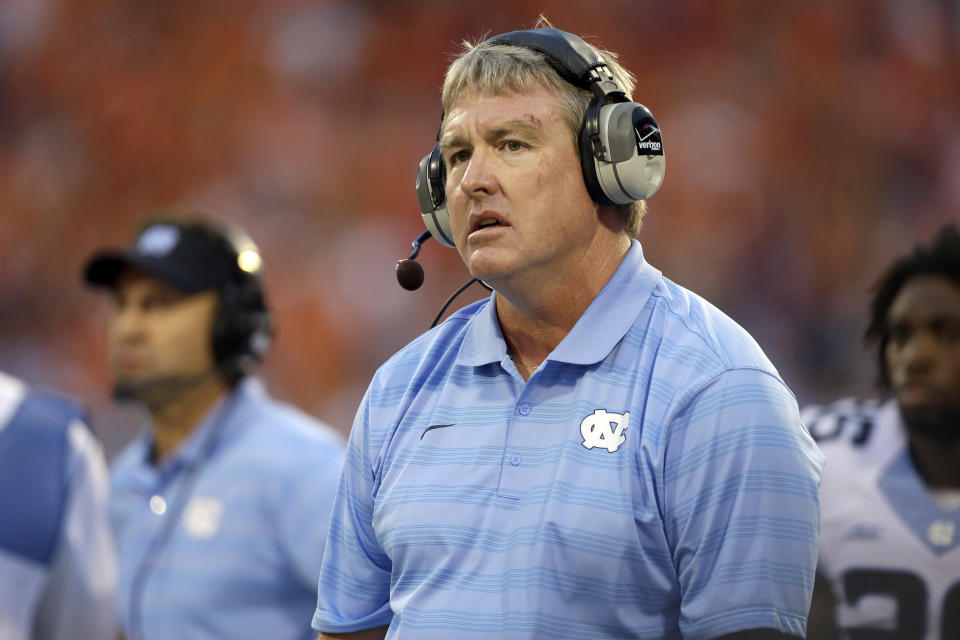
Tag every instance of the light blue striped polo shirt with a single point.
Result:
(225, 538)
(651, 479)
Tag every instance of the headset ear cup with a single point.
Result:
(590, 144)
(431, 182)
(241, 328)
(632, 163)
(225, 331)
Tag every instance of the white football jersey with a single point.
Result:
(891, 554)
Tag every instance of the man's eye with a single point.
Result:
(513, 145)
(947, 331)
(157, 302)
(898, 334)
(458, 156)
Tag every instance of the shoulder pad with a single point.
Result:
(848, 419)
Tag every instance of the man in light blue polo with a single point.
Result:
(593, 452)
(220, 508)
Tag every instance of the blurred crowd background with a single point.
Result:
(807, 144)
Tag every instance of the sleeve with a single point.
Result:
(741, 507)
(304, 509)
(354, 586)
(78, 601)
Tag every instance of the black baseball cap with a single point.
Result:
(192, 256)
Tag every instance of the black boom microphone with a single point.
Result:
(409, 271)
(410, 274)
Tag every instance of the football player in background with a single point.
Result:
(890, 542)
(57, 565)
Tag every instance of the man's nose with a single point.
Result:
(127, 322)
(479, 177)
(919, 352)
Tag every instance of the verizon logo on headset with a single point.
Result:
(649, 142)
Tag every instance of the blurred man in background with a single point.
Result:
(593, 452)
(57, 566)
(890, 551)
(220, 508)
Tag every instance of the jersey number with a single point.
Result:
(822, 431)
(910, 594)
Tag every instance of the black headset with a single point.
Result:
(621, 149)
(242, 324)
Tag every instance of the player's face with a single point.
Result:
(518, 204)
(923, 354)
(157, 333)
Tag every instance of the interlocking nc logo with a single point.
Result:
(158, 240)
(201, 518)
(941, 533)
(598, 431)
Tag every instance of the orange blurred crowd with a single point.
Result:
(807, 143)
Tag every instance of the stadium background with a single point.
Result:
(807, 144)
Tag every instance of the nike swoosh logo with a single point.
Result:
(435, 426)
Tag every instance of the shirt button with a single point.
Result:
(515, 460)
(524, 409)
(158, 505)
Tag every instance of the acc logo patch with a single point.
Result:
(604, 429)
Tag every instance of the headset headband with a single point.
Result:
(577, 63)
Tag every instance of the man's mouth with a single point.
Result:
(482, 222)
(128, 362)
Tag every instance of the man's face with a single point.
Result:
(518, 205)
(159, 337)
(923, 355)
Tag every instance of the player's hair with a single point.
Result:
(940, 258)
(499, 70)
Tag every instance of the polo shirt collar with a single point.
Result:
(196, 444)
(604, 323)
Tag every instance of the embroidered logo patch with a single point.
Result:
(604, 429)
(159, 240)
(941, 533)
(201, 518)
(435, 426)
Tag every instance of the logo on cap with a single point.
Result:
(158, 240)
